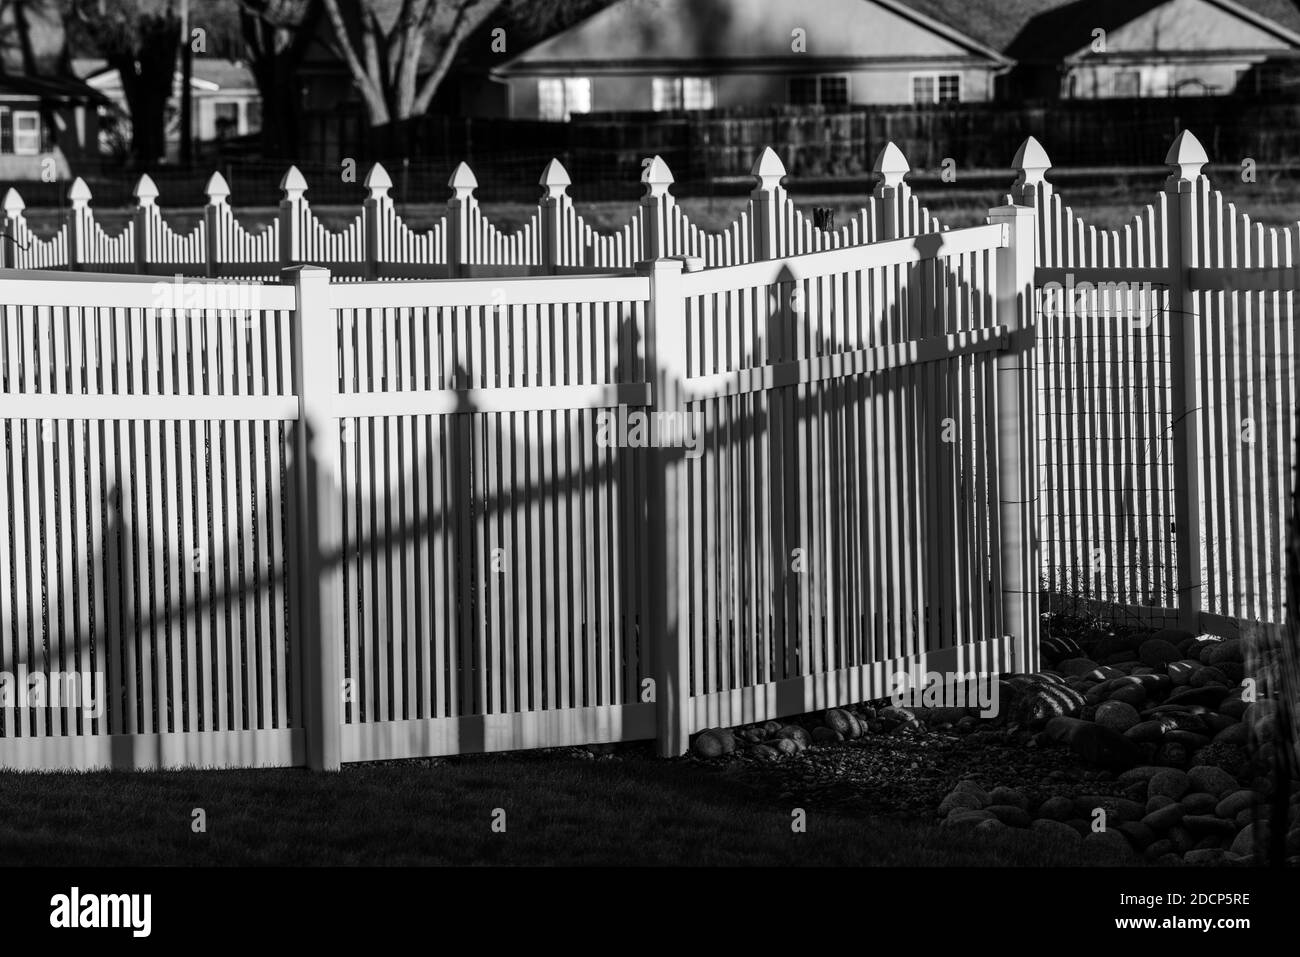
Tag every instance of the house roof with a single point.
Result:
(51, 87)
(1038, 30)
(208, 73)
(713, 34)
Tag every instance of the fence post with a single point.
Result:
(146, 194)
(1031, 187)
(664, 339)
(553, 218)
(764, 204)
(1017, 435)
(317, 588)
(291, 208)
(892, 193)
(657, 210)
(460, 219)
(213, 215)
(377, 211)
(13, 206)
(78, 222)
(1187, 156)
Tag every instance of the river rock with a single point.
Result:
(1164, 818)
(1116, 715)
(1199, 803)
(1103, 747)
(1157, 653)
(714, 742)
(1230, 650)
(1056, 809)
(1180, 672)
(1236, 802)
(1006, 795)
(966, 817)
(1168, 782)
(1211, 780)
(1056, 831)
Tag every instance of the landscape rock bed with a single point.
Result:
(1135, 744)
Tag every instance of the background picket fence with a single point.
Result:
(378, 244)
(377, 519)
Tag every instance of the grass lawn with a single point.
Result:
(560, 809)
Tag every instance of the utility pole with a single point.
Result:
(187, 72)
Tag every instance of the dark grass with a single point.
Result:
(560, 810)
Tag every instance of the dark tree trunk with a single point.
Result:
(147, 78)
(276, 52)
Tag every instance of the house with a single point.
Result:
(44, 119)
(700, 54)
(224, 98)
(1091, 49)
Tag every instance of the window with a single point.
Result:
(27, 132)
(936, 88)
(819, 90)
(682, 93)
(558, 99)
(225, 118)
(1128, 83)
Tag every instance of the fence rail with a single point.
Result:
(393, 517)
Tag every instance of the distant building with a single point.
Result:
(701, 54)
(47, 125)
(1091, 49)
(224, 97)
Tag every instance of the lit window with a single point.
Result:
(823, 90)
(557, 99)
(697, 93)
(27, 132)
(936, 88)
(1128, 83)
(682, 93)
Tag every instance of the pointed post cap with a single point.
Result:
(463, 182)
(555, 179)
(217, 189)
(891, 165)
(378, 182)
(146, 191)
(13, 204)
(1032, 162)
(768, 169)
(293, 185)
(1187, 155)
(657, 177)
(79, 193)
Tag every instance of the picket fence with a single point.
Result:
(386, 518)
(378, 244)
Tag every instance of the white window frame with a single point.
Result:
(31, 136)
(704, 84)
(934, 75)
(568, 95)
(666, 93)
(670, 93)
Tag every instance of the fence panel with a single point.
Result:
(493, 593)
(841, 504)
(145, 454)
